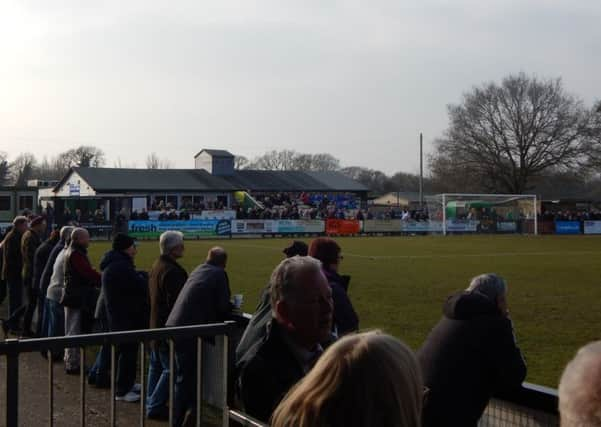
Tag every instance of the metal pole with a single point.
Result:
(113, 409)
(198, 381)
(421, 171)
(535, 216)
(226, 410)
(444, 214)
(50, 388)
(12, 387)
(82, 386)
(142, 385)
(171, 381)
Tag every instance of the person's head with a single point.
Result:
(217, 256)
(362, 380)
(580, 388)
(38, 224)
(297, 247)
(65, 234)
(171, 244)
(327, 251)
(301, 300)
(20, 223)
(493, 287)
(126, 244)
(54, 236)
(80, 238)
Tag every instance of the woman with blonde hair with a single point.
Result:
(367, 379)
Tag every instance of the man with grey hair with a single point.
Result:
(470, 354)
(302, 310)
(166, 280)
(580, 388)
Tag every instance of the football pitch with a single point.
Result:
(399, 284)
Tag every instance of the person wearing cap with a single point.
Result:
(12, 267)
(125, 300)
(30, 242)
(257, 327)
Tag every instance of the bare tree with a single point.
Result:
(375, 180)
(503, 135)
(4, 169)
(85, 156)
(291, 160)
(23, 169)
(154, 162)
(241, 162)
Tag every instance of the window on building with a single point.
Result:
(5, 203)
(25, 202)
(172, 202)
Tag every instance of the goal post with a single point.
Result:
(464, 213)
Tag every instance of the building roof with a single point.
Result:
(255, 180)
(105, 180)
(215, 153)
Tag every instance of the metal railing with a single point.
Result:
(13, 348)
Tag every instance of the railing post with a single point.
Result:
(50, 388)
(226, 411)
(198, 381)
(12, 384)
(142, 385)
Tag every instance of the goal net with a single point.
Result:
(483, 213)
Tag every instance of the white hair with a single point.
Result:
(491, 285)
(580, 388)
(169, 240)
(65, 234)
(285, 281)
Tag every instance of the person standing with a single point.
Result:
(3, 289)
(12, 269)
(30, 241)
(125, 297)
(40, 259)
(205, 298)
(79, 294)
(166, 280)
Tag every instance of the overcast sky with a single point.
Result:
(358, 79)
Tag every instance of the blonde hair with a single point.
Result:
(366, 379)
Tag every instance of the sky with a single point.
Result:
(357, 79)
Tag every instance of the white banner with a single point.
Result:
(222, 214)
(592, 227)
(462, 225)
(272, 226)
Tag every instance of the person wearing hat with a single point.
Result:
(30, 242)
(124, 297)
(257, 327)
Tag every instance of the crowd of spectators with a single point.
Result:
(300, 361)
(571, 215)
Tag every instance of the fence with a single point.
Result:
(531, 406)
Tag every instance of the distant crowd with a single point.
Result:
(301, 361)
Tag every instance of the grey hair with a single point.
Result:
(169, 240)
(285, 280)
(77, 233)
(490, 284)
(20, 220)
(65, 234)
(579, 388)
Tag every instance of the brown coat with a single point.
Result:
(29, 244)
(12, 260)
(166, 280)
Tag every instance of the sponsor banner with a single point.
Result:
(221, 214)
(74, 189)
(254, 226)
(343, 226)
(462, 225)
(382, 225)
(192, 229)
(4, 226)
(567, 227)
(299, 226)
(507, 226)
(590, 227)
(421, 226)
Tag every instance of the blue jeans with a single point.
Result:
(55, 319)
(158, 379)
(99, 373)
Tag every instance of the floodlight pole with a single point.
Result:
(444, 214)
(421, 171)
(535, 216)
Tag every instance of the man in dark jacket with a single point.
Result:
(205, 298)
(125, 296)
(40, 259)
(166, 280)
(3, 289)
(30, 242)
(470, 355)
(302, 310)
(79, 295)
(12, 267)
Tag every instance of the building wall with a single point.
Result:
(75, 186)
(214, 165)
(14, 202)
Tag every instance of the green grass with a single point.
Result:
(399, 284)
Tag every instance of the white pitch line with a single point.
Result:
(430, 256)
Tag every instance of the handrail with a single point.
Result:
(533, 396)
(244, 419)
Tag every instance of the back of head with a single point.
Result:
(217, 256)
(580, 388)
(20, 221)
(78, 236)
(170, 240)
(325, 249)
(65, 233)
(363, 380)
(490, 285)
(297, 247)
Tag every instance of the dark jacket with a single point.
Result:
(125, 293)
(13, 260)
(266, 373)
(469, 355)
(205, 298)
(81, 281)
(29, 244)
(166, 280)
(256, 329)
(40, 259)
(345, 317)
(49, 267)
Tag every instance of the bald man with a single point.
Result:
(205, 298)
(580, 388)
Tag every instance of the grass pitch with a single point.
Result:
(400, 283)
